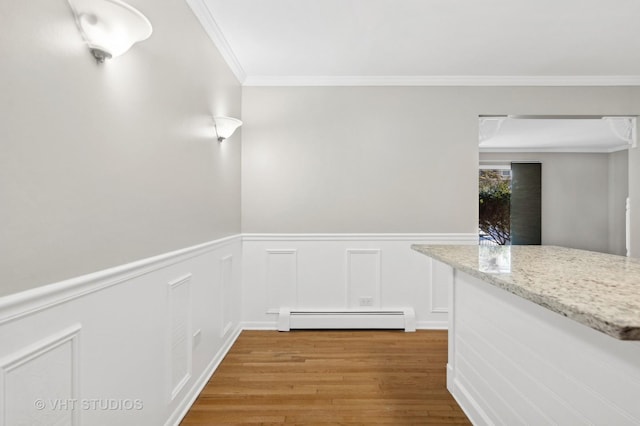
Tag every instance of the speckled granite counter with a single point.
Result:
(599, 290)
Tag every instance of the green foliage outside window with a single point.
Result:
(495, 203)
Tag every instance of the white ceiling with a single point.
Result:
(553, 135)
(546, 42)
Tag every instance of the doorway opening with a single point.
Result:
(584, 184)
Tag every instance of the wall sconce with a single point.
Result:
(110, 27)
(225, 126)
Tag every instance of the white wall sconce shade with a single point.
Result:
(225, 126)
(110, 27)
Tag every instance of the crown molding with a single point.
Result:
(204, 15)
(208, 22)
(460, 80)
(586, 150)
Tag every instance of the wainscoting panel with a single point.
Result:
(180, 349)
(282, 278)
(102, 349)
(39, 384)
(343, 271)
(441, 281)
(226, 280)
(363, 278)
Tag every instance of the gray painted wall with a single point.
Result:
(581, 198)
(383, 159)
(101, 165)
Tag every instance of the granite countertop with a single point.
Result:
(601, 291)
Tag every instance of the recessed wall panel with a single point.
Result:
(441, 281)
(180, 320)
(39, 385)
(282, 279)
(226, 287)
(363, 278)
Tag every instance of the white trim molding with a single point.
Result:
(624, 128)
(137, 345)
(441, 280)
(427, 238)
(208, 22)
(226, 294)
(585, 149)
(180, 342)
(445, 80)
(329, 278)
(39, 405)
(206, 18)
(203, 379)
(30, 301)
(281, 279)
(374, 287)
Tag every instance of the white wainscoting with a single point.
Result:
(363, 278)
(228, 290)
(281, 278)
(512, 362)
(181, 333)
(50, 366)
(342, 272)
(131, 345)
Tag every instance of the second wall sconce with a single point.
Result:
(109, 27)
(225, 126)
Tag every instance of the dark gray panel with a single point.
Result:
(526, 203)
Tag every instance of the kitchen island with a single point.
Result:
(542, 334)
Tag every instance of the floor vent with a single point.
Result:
(289, 319)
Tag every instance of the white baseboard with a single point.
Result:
(260, 325)
(469, 405)
(273, 325)
(432, 325)
(202, 381)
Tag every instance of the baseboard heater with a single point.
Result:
(291, 319)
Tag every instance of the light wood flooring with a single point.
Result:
(330, 378)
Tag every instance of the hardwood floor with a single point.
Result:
(331, 378)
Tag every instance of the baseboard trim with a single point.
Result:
(468, 404)
(184, 407)
(432, 325)
(273, 325)
(28, 302)
(260, 325)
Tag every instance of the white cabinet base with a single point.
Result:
(514, 362)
